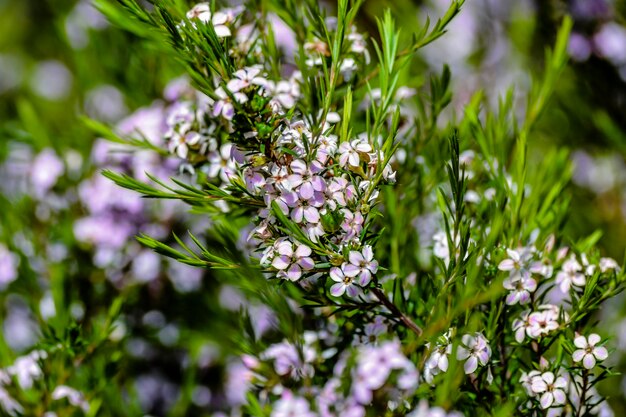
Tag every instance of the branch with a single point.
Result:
(396, 312)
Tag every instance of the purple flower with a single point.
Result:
(343, 283)
(224, 105)
(474, 350)
(290, 261)
(304, 178)
(362, 264)
(244, 78)
(8, 266)
(520, 288)
(350, 152)
(46, 169)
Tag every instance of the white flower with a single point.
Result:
(474, 350)
(74, 397)
(201, 11)
(244, 78)
(570, 274)
(26, 368)
(607, 264)
(343, 283)
(520, 288)
(350, 152)
(543, 321)
(516, 263)
(224, 105)
(552, 389)
(362, 264)
(588, 352)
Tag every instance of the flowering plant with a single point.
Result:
(384, 254)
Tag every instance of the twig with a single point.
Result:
(396, 312)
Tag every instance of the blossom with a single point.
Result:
(520, 288)
(424, 410)
(438, 362)
(551, 388)
(588, 351)
(362, 264)
(350, 152)
(74, 397)
(221, 164)
(244, 78)
(289, 406)
(543, 321)
(474, 350)
(522, 326)
(343, 283)
(516, 263)
(291, 262)
(570, 275)
(8, 266)
(201, 11)
(224, 106)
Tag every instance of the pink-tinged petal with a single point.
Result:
(302, 251)
(577, 356)
(353, 159)
(600, 353)
(285, 248)
(291, 198)
(560, 382)
(531, 285)
(512, 298)
(471, 364)
(373, 266)
(593, 339)
(298, 166)
(538, 385)
(217, 109)
(524, 297)
(548, 377)
(462, 353)
(297, 214)
(514, 255)
(228, 111)
(338, 289)
(235, 85)
(483, 357)
(559, 397)
(506, 265)
(318, 183)
(350, 270)
(443, 363)
(281, 262)
(365, 277)
(589, 361)
(368, 253)
(336, 274)
(580, 342)
(546, 400)
(222, 31)
(294, 273)
(311, 215)
(306, 263)
(306, 190)
(352, 291)
(520, 334)
(293, 181)
(356, 258)
(579, 280)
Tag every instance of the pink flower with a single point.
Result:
(350, 152)
(474, 350)
(362, 264)
(343, 284)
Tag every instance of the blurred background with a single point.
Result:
(68, 234)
